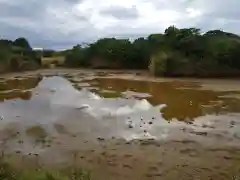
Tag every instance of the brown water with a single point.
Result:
(129, 128)
(17, 88)
(184, 100)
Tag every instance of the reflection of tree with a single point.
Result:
(182, 100)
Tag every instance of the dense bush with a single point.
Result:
(17, 55)
(76, 57)
(176, 52)
(111, 51)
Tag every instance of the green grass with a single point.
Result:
(9, 172)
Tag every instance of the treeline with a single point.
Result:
(176, 52)
(17, 55)
(111, 53)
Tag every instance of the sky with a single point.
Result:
(60, 24)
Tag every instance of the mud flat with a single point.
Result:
(122, 124)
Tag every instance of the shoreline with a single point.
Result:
(129, 71)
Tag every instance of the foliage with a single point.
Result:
(9, 172)
(111, 51)
(214, 53)
(21, 42)
(176, 52)
(17, 55)
(48, 53)
(76, 57)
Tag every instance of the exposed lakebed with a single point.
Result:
(98, 114)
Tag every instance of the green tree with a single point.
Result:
(22, 42)
(76, 57)
(176, 52)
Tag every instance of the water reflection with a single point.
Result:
(130, 109)
(56, 101)
(184, 100)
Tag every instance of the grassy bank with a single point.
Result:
(9, 172)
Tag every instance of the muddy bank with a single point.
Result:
(118, 159)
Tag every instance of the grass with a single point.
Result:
(13, 168)
(8, 172)
(38, 133)
(17, 167)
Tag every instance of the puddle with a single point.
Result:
(21, 83)
(184, 101)
(17, 88)
(106, 108)
(116, 123)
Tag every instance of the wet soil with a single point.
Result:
(121, 124)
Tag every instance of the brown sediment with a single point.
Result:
(20, 83)
(15, 94)
(18, 88)
(170, 161)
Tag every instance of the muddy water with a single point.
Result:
(17, 88)
(184, 100)
(122, 128)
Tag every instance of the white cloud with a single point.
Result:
(59, 23)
